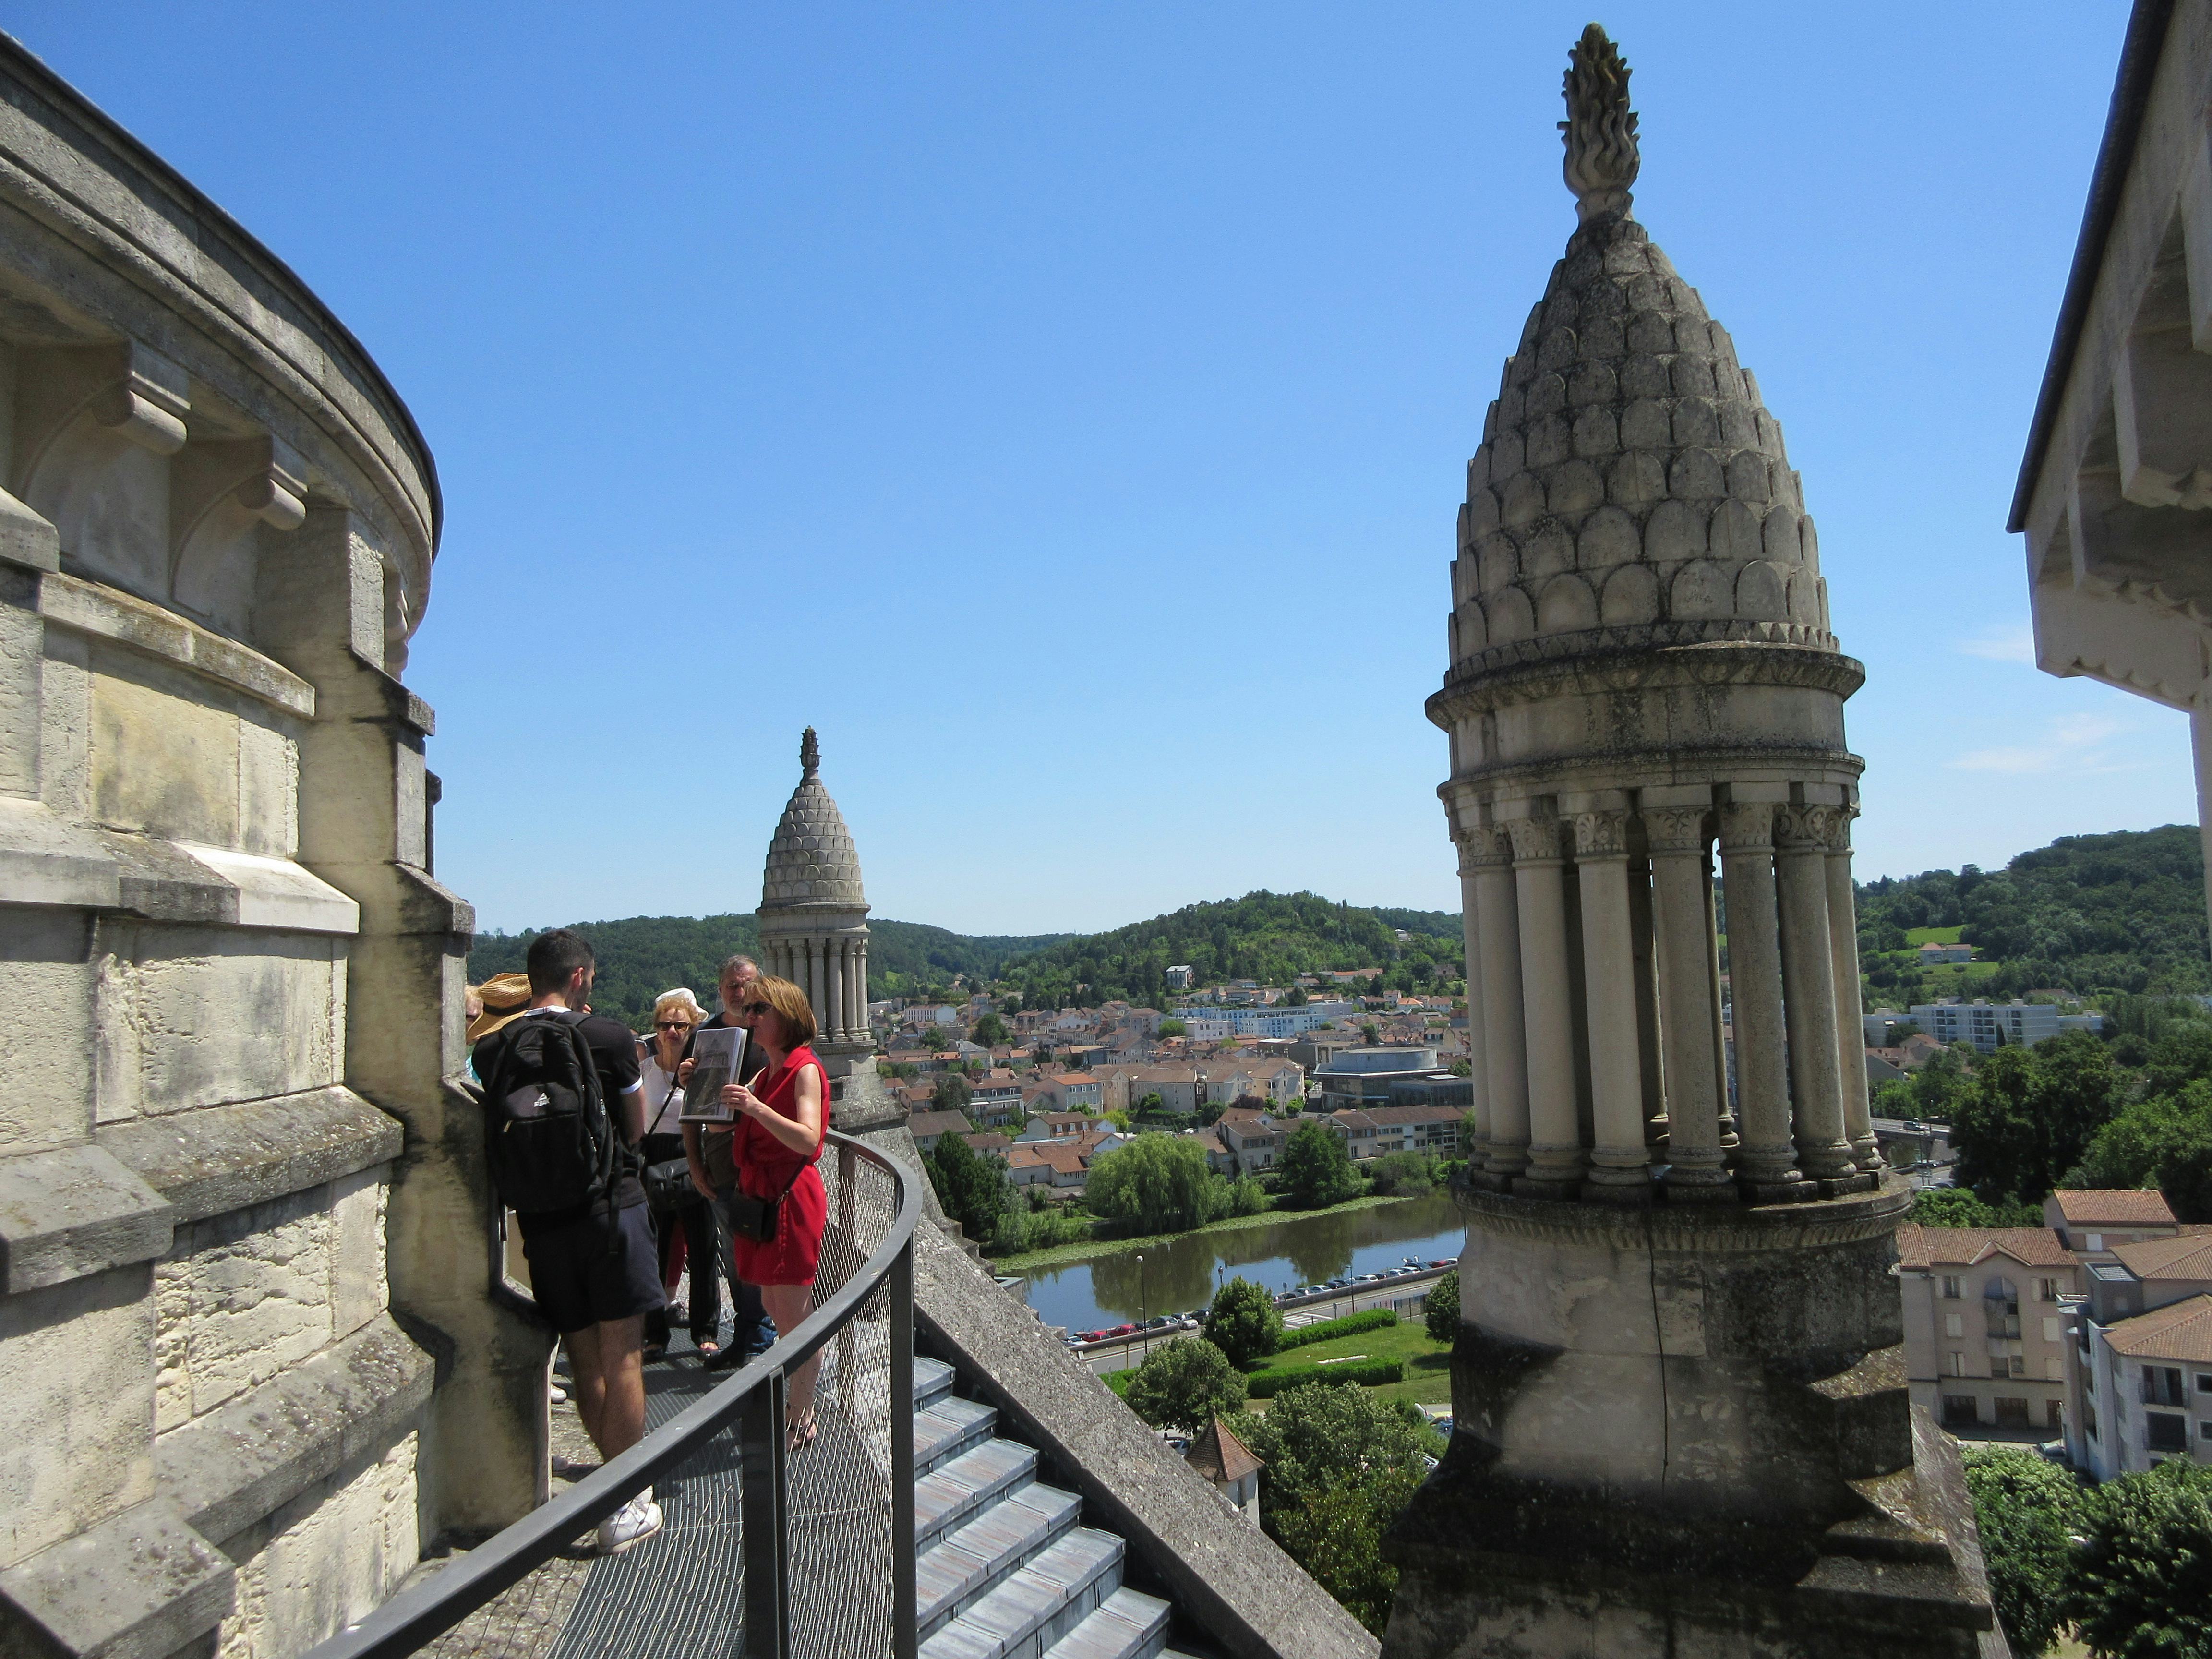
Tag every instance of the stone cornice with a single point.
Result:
(1604, 667)
(1692, 1227)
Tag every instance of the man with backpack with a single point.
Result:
(563, 1112)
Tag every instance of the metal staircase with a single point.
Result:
(1005, 1572)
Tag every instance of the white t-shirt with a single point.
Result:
(662, 1107)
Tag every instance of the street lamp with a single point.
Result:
(1141, 1305)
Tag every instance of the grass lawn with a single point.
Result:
(1917, 937)
(1061, 1254)
(1428, 1365)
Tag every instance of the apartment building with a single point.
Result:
(1252, 1141)
(1057, 1125)
(1985, 1342)
(994, 1100)
(2091, 1221)
(1985, 1024)
(2140, 1360)
(927, 1127)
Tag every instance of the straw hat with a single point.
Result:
(500, 998)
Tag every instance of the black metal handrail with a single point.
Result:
(754, 1396)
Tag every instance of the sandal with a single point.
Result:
(706, 1347)
(800, 1432)
(655, 1351)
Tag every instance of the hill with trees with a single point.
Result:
(1268, 936)
(2088, 914)
(640, 956)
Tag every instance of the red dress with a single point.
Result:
(766, 1166)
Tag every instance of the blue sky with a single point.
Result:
(1064, 407)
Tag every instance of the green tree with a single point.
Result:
(1372, 1032)
(1316, 1171)
(2140, 1586)
(1403, 1172)
(989, 1031)
(1341, 1464)
(951, 1093)
(2026, 1510)
(2165, 1142)
(1956, 1206)
(2031, 1113)
(1184, 1385)
(1172, 1028)
(976, 1192)
(1158, 1183)
(1440, 1309)
(1244, 1322)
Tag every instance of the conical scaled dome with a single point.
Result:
(1630, 490)
(812, 860)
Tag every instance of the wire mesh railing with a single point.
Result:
(765, 1553)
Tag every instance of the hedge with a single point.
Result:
(1328, 1329)
(1119, 1381)
(1265, 1385)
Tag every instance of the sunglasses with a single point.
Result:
(674, 1024)
(755, 1007)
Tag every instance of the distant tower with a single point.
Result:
(1682, 1426)
(813, 916)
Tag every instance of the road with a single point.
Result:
(1305, 1310)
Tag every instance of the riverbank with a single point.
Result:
(1064, 1255)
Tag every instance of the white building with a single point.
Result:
(1984, 1024)
(2139, 1367)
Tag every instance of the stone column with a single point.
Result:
(1556, 1159)
(1505, 1061)
(1475, 1137)
(1766, 1158)
(1850, 1032)
(1618, 1157)
(833, 988)
(1682, 943)
(1809, 992)
(860, 983)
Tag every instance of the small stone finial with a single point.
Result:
(810, 757)
(1600, 130)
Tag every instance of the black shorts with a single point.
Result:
(594, 1271)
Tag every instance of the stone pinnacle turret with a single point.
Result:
(813, 912)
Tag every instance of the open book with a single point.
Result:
(717, 1054)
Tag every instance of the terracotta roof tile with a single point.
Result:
(2186, 1257)
(2183, 1332)
(2113, 1207)
(1962, 1247)
(1219, 1456)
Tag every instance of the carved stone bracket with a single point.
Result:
(135, 392)
(1600, 835)
(1536, 841)
(1485, 847)
(1675, 829)
(1806, 828)
(1747, 826)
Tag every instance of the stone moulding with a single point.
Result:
(1808, 1224)
(1621, 668)
(219, 1158)
(78, 177)
(248, 1457)
(76, 1211)
(108, 613)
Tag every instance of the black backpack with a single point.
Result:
(548, 1138)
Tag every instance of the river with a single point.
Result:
(1182, 1273)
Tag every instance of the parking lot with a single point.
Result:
(1298, 1308)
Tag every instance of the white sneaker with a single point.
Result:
(634, 1522)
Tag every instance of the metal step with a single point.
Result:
(974, 1560)
(1128, 1624)
(948, 1428)
(933, 1381)
(950, 1496)
(1038, 1605)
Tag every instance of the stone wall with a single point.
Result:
(243, 1229)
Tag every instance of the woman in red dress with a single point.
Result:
(778, 1137)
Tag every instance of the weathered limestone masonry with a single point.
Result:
(1682, 1423)
(813, 917)
(242, 1226)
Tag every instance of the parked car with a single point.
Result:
(1089, 1336)
(1122, 1330)
(1440, 1262)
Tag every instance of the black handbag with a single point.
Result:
(755, 1219)
(668, 1184)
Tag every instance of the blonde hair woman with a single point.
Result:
(688, 1227)
(778, 1137)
